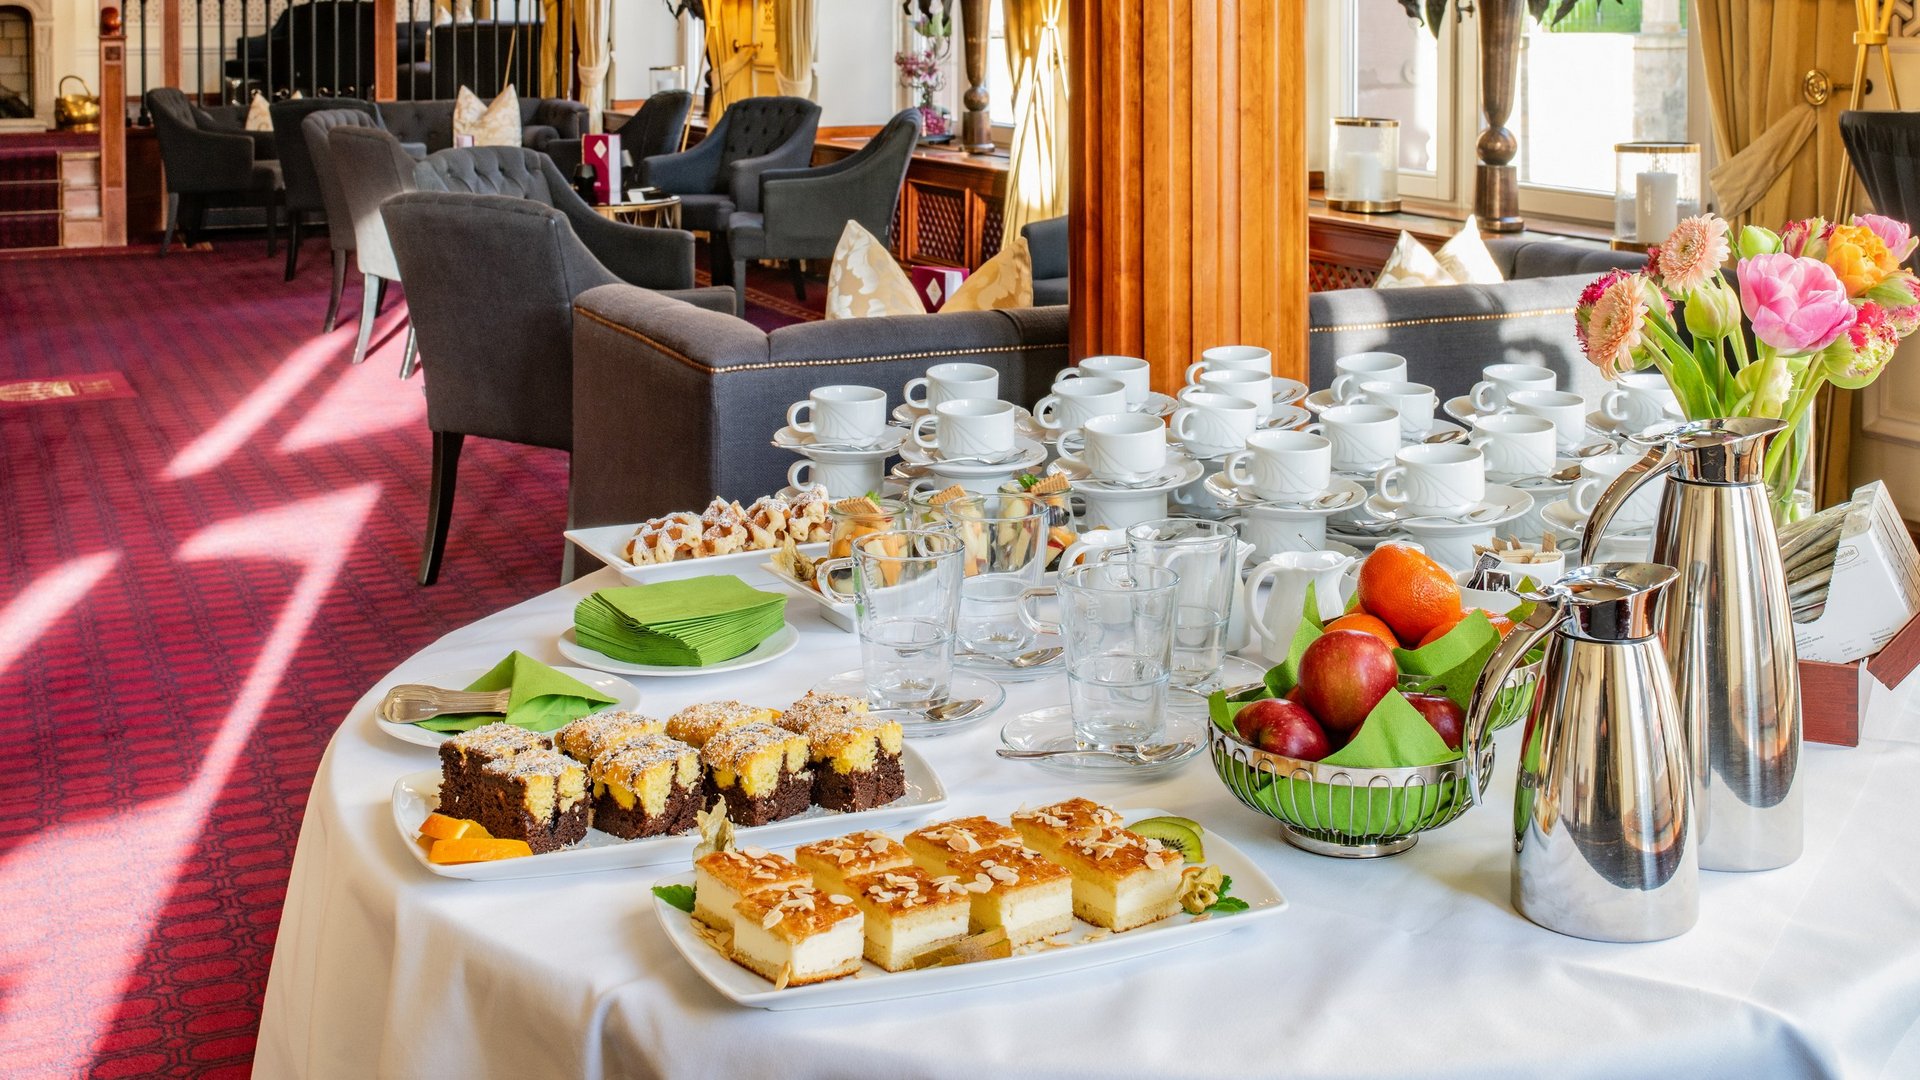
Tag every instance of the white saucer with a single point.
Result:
(965, 685)
(1438, 426)
(1023, 421)
(1179, 471)
(1286, 417)
(1521, 480)
(1606, 425)
(1559, 515)
(1230, 495)
(1512, 502)
(1027, 453)
(789, 439)
(1461, 409)
(907, 414)
(1156, 404)
(1051, 728)
(779, 644)
(626, 698)
(1319, 401)
(1288, 391)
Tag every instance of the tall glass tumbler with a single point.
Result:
(1003, 540)
(1117, 625)
(907, 604)
(1205, 554)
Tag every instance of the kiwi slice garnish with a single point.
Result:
(1178, 833)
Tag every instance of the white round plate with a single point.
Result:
(1285, 418)
(1288, 391)
(1319, 401)
(1531, 482)
(626, 696)
(907, 414)
(1157, 404)
(1461, 409)
(1051, 728)
(1512, 502)
(1439, 426)
(965, 685)
(773, 648)
(1027, 453)
(1023, 421)
(1179, 471)
(1230, 495)
(1560, 515)
(801, 442)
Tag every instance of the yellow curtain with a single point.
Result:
(730, 25)
(793, 47)
(1780, 157)
(1037, 56)
(592, 20)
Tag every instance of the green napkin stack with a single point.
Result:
(542, 699)
(692, 622)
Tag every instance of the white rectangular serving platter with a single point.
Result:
(608, 542)
(415, 795)
(875, 984)
(839, 613)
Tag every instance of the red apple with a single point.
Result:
(1446, 716)
(1283, 727)
(1343, 676)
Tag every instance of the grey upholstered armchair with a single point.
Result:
(297, 174)
(721, 174)
(650, 258)
(656, 129)
(314, 129)
(804, 211)
(372, 168)
(1047, 247)
(206, 167)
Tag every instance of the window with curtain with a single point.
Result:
(999, 75)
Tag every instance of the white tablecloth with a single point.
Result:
(1412, 965)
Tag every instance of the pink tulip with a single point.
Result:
(1797, 305)
(1895, 234)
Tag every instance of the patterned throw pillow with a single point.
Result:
(258, 118)
(497, 124)
(1462, 260)
(866, 282)
(1410, 267)
(1004, 281)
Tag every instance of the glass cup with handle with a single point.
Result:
(1205, 555)
(1003, 541)
(951, 382)
(1498, 380)
(906, 589)
(1357, 368)
(1117, 620)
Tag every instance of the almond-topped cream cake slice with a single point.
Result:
(832, 862)
(722, 879)
(934, 846)
(1016, 889)
(1047, 828)
(1122, 879)
(797, 935)
(908, 914)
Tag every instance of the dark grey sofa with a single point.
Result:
(1047, 247)
(673, 404)
(429, 124)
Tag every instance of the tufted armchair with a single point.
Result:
(721, 174)
(654, 130)
(297, 173)
(1047, 245)
(804, 211)
(650, 258)
(314, 128)
(206, 166)
(372, 168)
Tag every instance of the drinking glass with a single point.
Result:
(907, 604)
(1205, 556)
(1003, 540)
(1117, 625)
(850, 524)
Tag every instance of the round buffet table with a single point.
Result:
(1414, 965)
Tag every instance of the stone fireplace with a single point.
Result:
(26, 65)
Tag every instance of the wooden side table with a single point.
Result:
(656, 212)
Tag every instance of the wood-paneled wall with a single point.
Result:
(1189, 197)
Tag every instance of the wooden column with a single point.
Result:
(113, 140)
(170, 47)
(385, 45)
(1189, 180)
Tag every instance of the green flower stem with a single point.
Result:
(1696, 396)
(1802, 401)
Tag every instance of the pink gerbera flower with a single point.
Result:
(1693, 253)
(1607, 320)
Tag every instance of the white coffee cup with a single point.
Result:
(1640, 400)
(952, 382)
(1076, 401)
(1131, 372)
(1596, 474)
(845, 415)
(1366, 367)
(1498, 380)
(842, 479)
(1364, 437)
(1438, 479)
(1515, 444)
(1414, 402)
(1230, 358)
(1282, 466)
(1211, 424)
(1123, 446)
(969, 427)
(1252, 386)
(1567, 410)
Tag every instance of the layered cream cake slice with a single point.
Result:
(761, 770)
(647, 785)
(695, 724)
(590, 736)
(722, 879)
(1016, 889)
(832, 862)
(1121, 879)
(908, 914)
(797, 935)
(935, 846)
(1046, 829)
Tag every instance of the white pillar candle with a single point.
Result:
(1656, 206)
(1366, 180)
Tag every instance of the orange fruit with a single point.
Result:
(1501, 623)
(1366, 624)
(1408, 591)
(1439, 632)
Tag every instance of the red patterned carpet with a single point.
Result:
(199, 580)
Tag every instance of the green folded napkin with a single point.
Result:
(692, 622)
(542, 699)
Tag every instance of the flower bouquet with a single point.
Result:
(1823, 302)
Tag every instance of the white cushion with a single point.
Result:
(497, 124)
